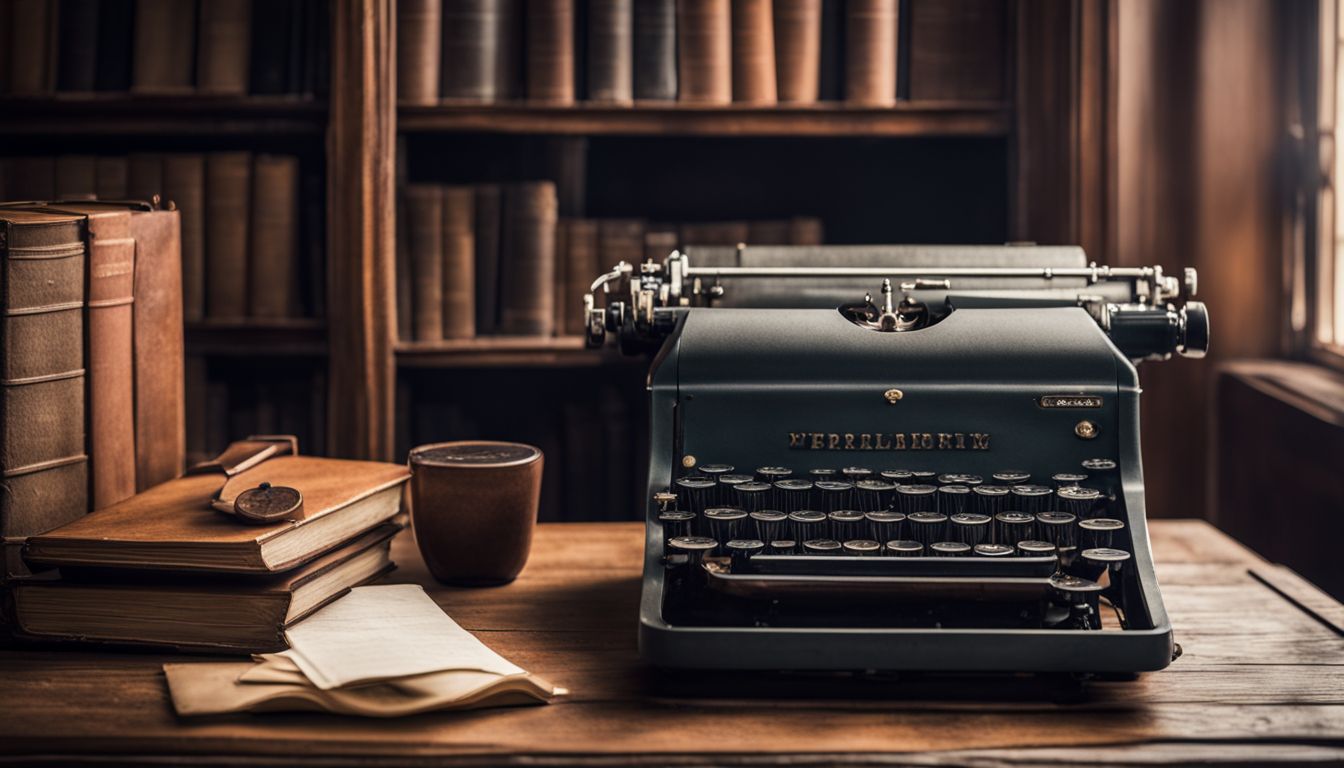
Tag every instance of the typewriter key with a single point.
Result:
(835, 494)
(873, 494)
(1079, 501)
(724, 522)
(989, 499)
(904, 548)
(854, 474)
(958, 478)
(782, 547)
(694, 547)
(1035, 548)
(751, 496)
(694, 493)
(715, 470)
(793, 494)
(896, 475)
(953, 499)
(923, 477)
(949, 549)
(769, 523)
(1032, 498)
(1079, 594)
(807, 524)
(742, 549)
(771, 474)
(970, 528)
(927, 527)
(1057, 528)
(821, 547)
(1066, 479)
(1098, 532)
(915, 498)
(1105, 475)
(822, 474)
(724, 493)
(992, 550)
(846, 524)
(1092, 563)
(676, 523)
(884, 524)
(1012, 527)
(862, 547)
(1011, 477)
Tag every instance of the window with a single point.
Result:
(1317, 276)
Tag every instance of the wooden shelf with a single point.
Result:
(187, 115)
(505, 352)
(298, 337)
(830, 119)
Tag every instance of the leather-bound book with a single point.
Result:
(419, 31)
(424, 224)
(714, 233)
(527, 293)
(754, 52)
(164, 46)
(831, 75)
(32, 47)
(806, 230)
(184, 189)
(75, 177)
(768, 232)
(870, 52)
(272, 46)
(659, 242)
(618, 240)
(561, 266)
(459, 262)
(228, 186)
(655, 50)
(610, 52)
(797, 50)
(272, 271)
(509, 65)
(489, 213)
(144, 176)
(471, 33)
(43, 467)
(580, 270)
(957, 50)
(116, 30)
(77, 45)
(405, 275)
(110, 172)
(704, 52)
(223, 50)
(549, 47)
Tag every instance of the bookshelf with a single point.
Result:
(117, 114)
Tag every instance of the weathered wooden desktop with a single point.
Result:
(1261, 680)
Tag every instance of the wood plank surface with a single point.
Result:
(1261, 680)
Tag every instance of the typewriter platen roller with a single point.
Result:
(940, 472)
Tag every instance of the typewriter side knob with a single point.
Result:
(1194, 330)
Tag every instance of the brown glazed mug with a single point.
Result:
(473, 508)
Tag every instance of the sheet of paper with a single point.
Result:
(385, 632)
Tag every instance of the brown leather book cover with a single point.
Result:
(655, 50)
(549, 47)
(273, 270)
(110, 177)
(714, 233)
(43, 468)
(144, 176)
(618, 240)
(561, 269)
(956, 50)
(184, 190)
(228, 186)
(405, 272)
(660, 241)
(75, 177)
(32, 47)
(806, 230)
(472, 30)
(527, 294)
(160, 401)
(704, 52)
(164, 47)
(754, 52)
(489, 212)
(870, 52)
(581, 268)
(223, 48)
(797, 50)
(177, 525)
(459, 262)
(768, 232)
(419, 31)
(424, 225)
(610, 52)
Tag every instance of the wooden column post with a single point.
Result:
(360, 229)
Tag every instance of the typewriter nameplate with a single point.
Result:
(1071, 401)
(889, 441)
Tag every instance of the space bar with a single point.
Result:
(931, 567)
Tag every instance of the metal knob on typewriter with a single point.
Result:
(1080, 595)
(970, 528)
(1098, 532)
(846, 524)
(872, 495)
(1067, 479)
(884, 524)
(727, 490)
(927, 527)
(992, 550)
(1012, 527)
(821, 547)
(752, 496)
(1058, 528)
(724, 522)
(693, 547)
(960, 478)
(769, 523)
(904, 548)
(861, 547)
(1011, 477)
(794, 493)
(1092, 563)
(694, 494)
(855, 474)
(953, 499)
(772, 474)
(989, 499)
(807, 524)
(950, 549)
(1035, 548)
(833, 494)
(1079, 501)
(916, 497)
(743, 549)
(1032, 498)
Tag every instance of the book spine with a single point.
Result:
(164, 46)
(562, 227)
(75, 177)
(831, 75)
(956, 50)
(610, 52)
(273, 267)
(797, 50)
(870, 52)
(43, 469)
(405, 273)
(459, 263)
(77, 45)
(527, 306)
(508, 48)
(768, 232)
(111, 291)
(270, 45)
(704, 52)
(110, 177)
(754, 52)
(806, 230)
(424, 222)
(184, 189)
(223, 55)
(116, 22)
(144, 177)
(228, 177)
(550, 51)
(581, 269)
(470, 34)
(655, 50)
(31, 45)
(659, 243)
(618, 240)
(418, 44)
(489, 209)
(160, 405)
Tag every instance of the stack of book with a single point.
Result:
(165, 47)
(251, 224)
(617, 52)
(171, 568)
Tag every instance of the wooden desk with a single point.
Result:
(1262, 679)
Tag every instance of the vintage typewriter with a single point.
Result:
(944, 475)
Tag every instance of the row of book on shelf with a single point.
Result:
(618, 51)
(251, 224)
(495, 259)
(218, 47)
